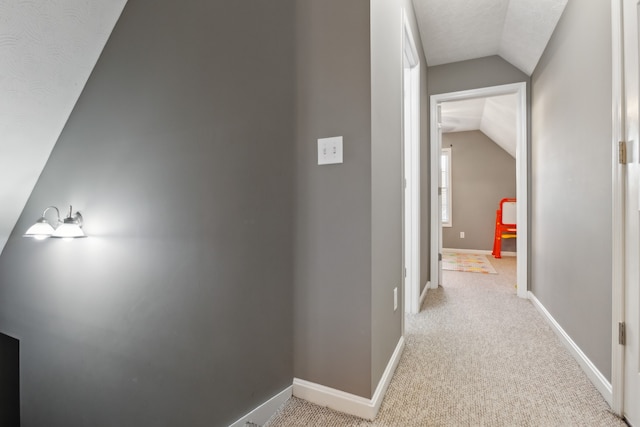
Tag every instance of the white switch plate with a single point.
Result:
(395, 299)
(462, 234)
(330, 150)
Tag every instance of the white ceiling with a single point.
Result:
(458, 30)
(47, 52)
(494, 116)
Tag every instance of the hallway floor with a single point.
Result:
(476, 355)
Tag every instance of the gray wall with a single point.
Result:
(177, 310)
(348, 240)
(482, 174)
(387, 184)
(571, 179)
(195, 166)
(473, 74)
(333, 202)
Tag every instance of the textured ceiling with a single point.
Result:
(458, 30)
(495, 116)
(460, 116)
(47, 52)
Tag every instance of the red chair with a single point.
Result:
(505, 225)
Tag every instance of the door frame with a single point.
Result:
(522, 174)
(411, 167)
(618, 252)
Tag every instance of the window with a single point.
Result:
(445, 185)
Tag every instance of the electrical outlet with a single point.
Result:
(395, 299)
(462, 234)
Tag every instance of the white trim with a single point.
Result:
(423, 295)
(596, 377)
(522, 194)
(519, 89)
(479, 251)
(618, 211)
(436, 221)
(346, 402)
(411, 159)
(264, 412)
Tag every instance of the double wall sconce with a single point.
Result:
(69, 228)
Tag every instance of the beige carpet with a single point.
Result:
(477, 355)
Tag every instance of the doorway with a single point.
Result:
(519, 90)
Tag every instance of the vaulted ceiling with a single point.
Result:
(47, 52)
(458, 30)
(516, 30)
(495, 116)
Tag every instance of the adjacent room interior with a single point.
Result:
(478, 171)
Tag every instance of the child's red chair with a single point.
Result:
(505, 225)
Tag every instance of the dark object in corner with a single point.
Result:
(9, 381)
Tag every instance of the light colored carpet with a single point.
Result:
(460, 261)
(477, 355)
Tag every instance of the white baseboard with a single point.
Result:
(596, 377)
(346, 402)
(423, 295)
(479, 251)
(264, 412)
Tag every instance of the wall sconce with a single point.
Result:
(69, 228)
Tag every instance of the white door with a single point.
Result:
(631, 88)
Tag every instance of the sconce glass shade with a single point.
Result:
(40, 230)
(70, 228)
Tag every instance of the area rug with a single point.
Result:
(472, 263)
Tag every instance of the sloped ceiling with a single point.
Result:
(458, 30)
(494, 116)
(47, 52)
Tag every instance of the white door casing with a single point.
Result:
(628, 356)
(411, 144)
(436, 197)
(438, 159)
(520, 90)
(618, 211)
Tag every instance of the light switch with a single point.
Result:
(330, 150)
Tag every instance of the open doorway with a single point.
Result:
(518, 91)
